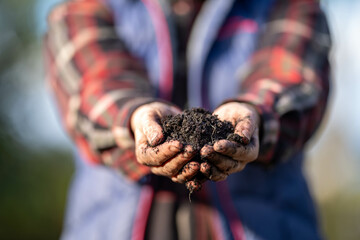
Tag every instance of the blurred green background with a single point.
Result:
(35, 155)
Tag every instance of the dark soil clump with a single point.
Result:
(196, 127)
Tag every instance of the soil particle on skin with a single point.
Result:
(197, 127)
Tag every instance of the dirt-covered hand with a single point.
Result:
(164, 158)
(225, 156)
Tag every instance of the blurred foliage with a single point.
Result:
(340, 216)
(17, 26)
(33, 183)
(33, 188)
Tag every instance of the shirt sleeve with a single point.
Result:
(96, 82)
(287, 78)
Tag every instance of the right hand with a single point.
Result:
(228, 157)
(164, 158)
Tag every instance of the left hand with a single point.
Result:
(225, 156)
(170, 159)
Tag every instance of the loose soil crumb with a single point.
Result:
(197, 127)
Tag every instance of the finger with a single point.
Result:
(237, 151)
(151, 127)
(156, 156)
(172, 167)
(152, 130)
(195, 184)
(224, 114)
(205, 168)
(246, 126)
(188, 172)
(206, 151)
(209, 153)
(217, 175)
(224, 163)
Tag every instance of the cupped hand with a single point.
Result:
(170, 159)
(225, 156)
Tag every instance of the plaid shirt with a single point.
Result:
(98, 83)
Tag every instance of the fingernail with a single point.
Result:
(188, 151)
(194, 166)
(205, 168)
(219, 147)
(153, 138)
(245, 133)
(246, 136)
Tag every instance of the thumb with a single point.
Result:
(153, 132)
(146, 129)
(246, 127)
(145, 121)
(151, 127)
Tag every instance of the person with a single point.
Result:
(116, 67)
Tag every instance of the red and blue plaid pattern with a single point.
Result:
(98, 84)
(288, 77)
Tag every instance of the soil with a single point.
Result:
(197, 127)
